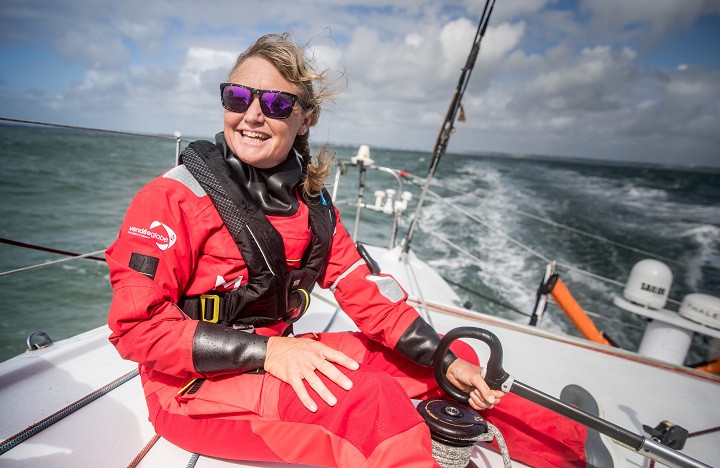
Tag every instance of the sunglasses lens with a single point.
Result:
(276, 105)
(236, 99)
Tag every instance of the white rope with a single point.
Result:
(494, 432)
(54, 262)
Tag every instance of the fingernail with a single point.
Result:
(313, 408)
(332, 401)
(491, 399)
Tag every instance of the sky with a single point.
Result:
(618, 80)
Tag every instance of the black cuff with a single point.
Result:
(218, 349)
(419, 343)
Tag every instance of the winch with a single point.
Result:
(454, 429)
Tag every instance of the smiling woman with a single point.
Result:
(208, 314)
(254, 131)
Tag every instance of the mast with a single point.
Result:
(447, 128)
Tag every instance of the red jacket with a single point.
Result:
(173, 243)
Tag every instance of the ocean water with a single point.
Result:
(69, 189)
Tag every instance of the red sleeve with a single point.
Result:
(376, 304)
(151, 263)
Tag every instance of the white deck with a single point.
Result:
(112, 430)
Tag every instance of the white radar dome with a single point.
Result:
(363, 156)
(701, 308)
(649, 284)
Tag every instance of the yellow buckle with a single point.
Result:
(216, 307)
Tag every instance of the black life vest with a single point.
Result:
(271, 293)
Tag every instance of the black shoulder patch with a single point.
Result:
(144, 264)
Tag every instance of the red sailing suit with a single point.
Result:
(173, 243)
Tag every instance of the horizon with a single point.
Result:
(428, 152)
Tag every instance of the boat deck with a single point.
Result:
(113, 430)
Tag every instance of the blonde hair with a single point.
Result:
(314, 88)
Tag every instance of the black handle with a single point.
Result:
(495, 374)
(498, 379)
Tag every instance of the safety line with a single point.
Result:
(465, 251)
(481, 221)
(42, 248)
(54, 262)
(39, 426)
(528, 248)
(704, 431)
(144, 451)
(76, 127)
(486, 297)
(508, 307)
(554, 223)
(193, 460)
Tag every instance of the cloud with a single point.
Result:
(588, 82)
(648, 20)
(548, 79)
(95, 47)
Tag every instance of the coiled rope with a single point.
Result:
(494, 432)
(450, 456)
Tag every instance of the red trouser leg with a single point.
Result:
(373, 424)
(534, 435)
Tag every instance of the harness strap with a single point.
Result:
(270, 294)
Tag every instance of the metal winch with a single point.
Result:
(454, 428)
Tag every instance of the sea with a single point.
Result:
(490, 224)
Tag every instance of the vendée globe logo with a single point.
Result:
(163, 242)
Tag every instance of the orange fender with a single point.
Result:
(572, 309)
(711, 367)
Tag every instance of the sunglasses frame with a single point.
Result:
(259, 92)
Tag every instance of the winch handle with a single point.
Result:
(497, 379)
(495, 376)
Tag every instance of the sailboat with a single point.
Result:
(75, 402)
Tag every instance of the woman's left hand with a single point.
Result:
(467, 378)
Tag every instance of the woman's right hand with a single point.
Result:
(293, 360)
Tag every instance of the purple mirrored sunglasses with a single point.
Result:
(274, 104)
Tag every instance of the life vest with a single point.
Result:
(271, 293)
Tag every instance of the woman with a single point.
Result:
(214, 262)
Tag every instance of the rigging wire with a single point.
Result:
(54, 262)
(553, 223)
(77, 127)
(527, 248)
(485, 296)
(567, 228)
(447, 128)
(47, 249)
(480, 262)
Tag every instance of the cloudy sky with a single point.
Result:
(627, 80)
